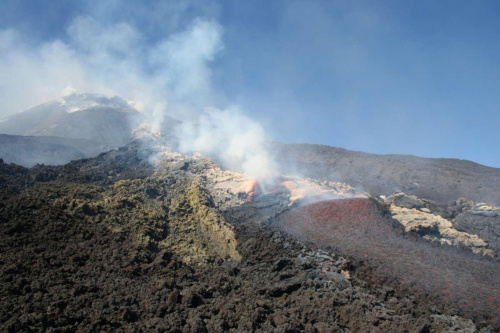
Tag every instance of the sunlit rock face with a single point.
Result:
(416, 216)
(435, 228)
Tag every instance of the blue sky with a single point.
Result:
(405, 77)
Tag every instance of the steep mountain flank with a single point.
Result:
(361, 230)
(441, 180)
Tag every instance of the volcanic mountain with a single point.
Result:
(108, 121)
(84, 125)
(144, 238)
(118, 243)
(72, 127)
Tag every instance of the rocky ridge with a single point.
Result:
(426, 219)
(435, 228)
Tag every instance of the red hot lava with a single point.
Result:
(299, 189)
(250, 188)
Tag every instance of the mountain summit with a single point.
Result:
(107, 120)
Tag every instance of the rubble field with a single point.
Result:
(116, 244)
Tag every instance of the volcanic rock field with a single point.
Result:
(116, 243)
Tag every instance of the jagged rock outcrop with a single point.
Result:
(482, 220)
(405, 201)
(435, 228)
(213, 227)
(416, 217)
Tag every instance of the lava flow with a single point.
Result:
(302, 189)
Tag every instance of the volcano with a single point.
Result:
(141, 237)
(75, 126)
(117, 243)
(108, 121)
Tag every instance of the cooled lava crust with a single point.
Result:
(95, 246)
(362, 230)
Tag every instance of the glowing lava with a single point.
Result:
(250, 188)
(301, 189)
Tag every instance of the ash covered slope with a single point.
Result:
(114, 243)
(441, 180)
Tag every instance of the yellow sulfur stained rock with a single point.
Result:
(214, 228)
(438, 229)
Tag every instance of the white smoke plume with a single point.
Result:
(169, 77)
(231, 136)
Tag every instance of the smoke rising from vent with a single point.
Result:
(231, 136)
(171, 77)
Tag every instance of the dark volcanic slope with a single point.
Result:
(358, 229)
(442, 180)
(98, 245)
